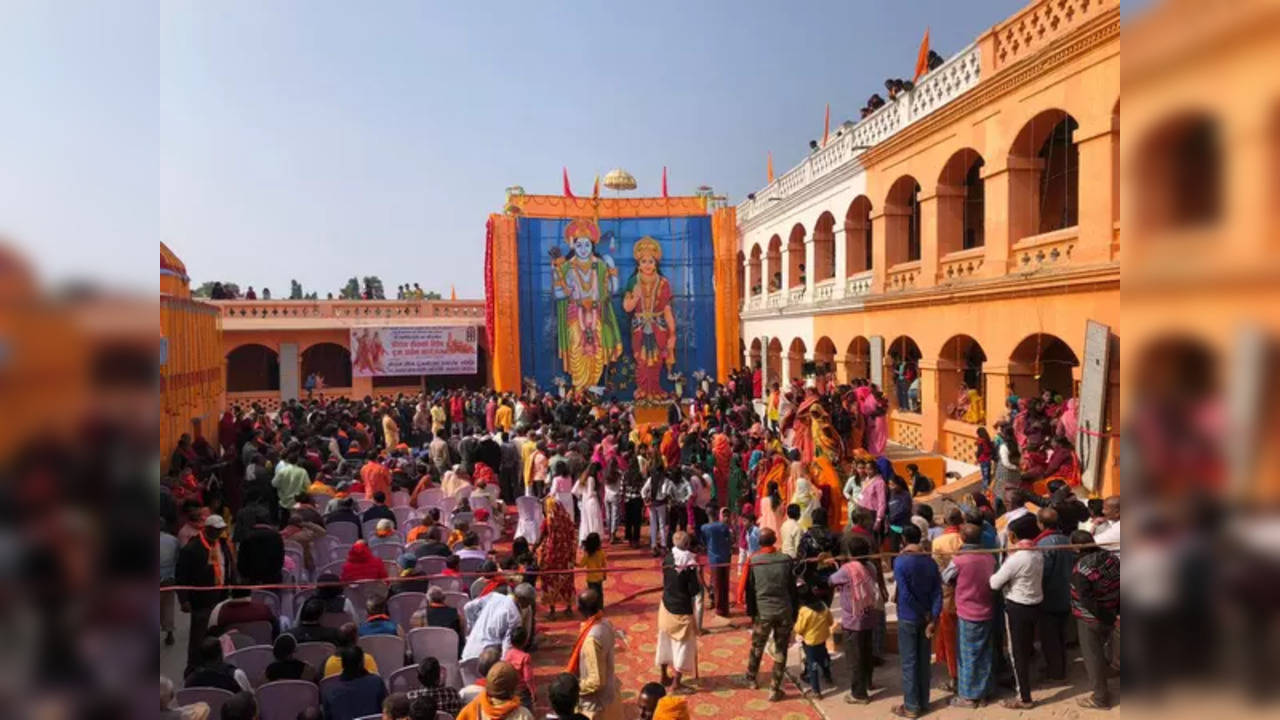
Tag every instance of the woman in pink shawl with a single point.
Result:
(1020, 423)
(876, 433)
(1069, 420)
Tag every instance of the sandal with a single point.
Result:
(1016, 704)
(904, 712)
(1088, 701)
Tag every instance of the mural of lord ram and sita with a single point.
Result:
(627, 311)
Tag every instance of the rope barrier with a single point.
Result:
(472, 576)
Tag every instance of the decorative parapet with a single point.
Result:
(796, 295)
(902, 276)
(935, 89)
(285, 310)
(1040, 24)
(961, 265)
(859, 284)
(1047, 251)
(824, 290)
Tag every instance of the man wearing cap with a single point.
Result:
(205, 561)
(498, 700)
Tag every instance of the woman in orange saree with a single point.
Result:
(722, 452)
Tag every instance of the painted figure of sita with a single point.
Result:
(584, 284)
(653, 325)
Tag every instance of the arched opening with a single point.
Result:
(824, 247)
(795, 257)
(774, 364)
(961, 383)
(857, 360)
(796, 361)
(754, 355)
(824, 363)
(754, 267)
(960, 202)
(1179, 174)
(252, 368)
(1042, 362)
(902, 221)
(1044, 193)
(902, 362)
(331, 363)
(774, 264)
(857, 236)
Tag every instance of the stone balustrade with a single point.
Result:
(859, 284)
(902, 276)
(471, 310)
(1047, 251)
(961, 265)
(824, 290)
(795, 295)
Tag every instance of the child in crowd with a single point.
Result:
(593, 559)
(813, 625)
(985, 451)
(613, 503)
(647, 700)
(518, 657)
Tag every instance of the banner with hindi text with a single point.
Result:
(427, 350)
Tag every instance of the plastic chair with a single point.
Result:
(388, 551)
(464, 492)
(470, 565)
(429, 497)
(413, 547)
(404, 680)
(253, 660)
(315, 653)
(486, 534)
(480, 501)
(299, 561)
(466, 517)
(322, 549)
(363, 504)
(393, 568)
(284, 699)
(233, 640)
(259, 630)
(448, 503)
(387, 651)
(404, 516)
(321, 500)
(333, 567)
(431, 565)
(456, 599)
(447, 584)
(529, 518)
(211, 696)
(269, 598)
(336, 620)
(343, 531)
(401, 607)
(399, 498)
(356, 495)
(370, 527)
(440, 643)
(338, 552)
(326, 682)
(356, 594)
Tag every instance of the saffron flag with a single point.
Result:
(826, 125)
(922, 58)
(664, 181)
(567, 191)
(769, 166)
(595, 189)
(453, 292)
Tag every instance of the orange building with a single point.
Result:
(271, 346)
(979, 240)
(191, 378)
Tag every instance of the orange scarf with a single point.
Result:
(482, 708)
(491, 586)
(576, 655)
(215, 560)
(746, 570)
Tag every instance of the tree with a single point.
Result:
(374, 285)
(431, 295)
(295, 290)
(350, 291)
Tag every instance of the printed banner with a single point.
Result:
(622, 307)
(413, 351)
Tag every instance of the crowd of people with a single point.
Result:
(798, 501)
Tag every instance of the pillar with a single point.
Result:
(879, 253)
(764, 367)
(1096, 200)
(810, 267)
(930, 407)
(928, 241)
(842, 259)
(1012, 199)
(997, 391)
(785, 255)
(876, 369)
(290, 369)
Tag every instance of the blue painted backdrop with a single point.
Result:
(687, 263)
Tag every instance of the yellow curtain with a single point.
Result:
(505, 353)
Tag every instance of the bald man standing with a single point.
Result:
(592, 661)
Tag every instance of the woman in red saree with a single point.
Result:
(557, 549)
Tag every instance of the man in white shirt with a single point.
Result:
(655, 493)
(1107, 532)
(1021, 578)
(491, 619)
(790, 531)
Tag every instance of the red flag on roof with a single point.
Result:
(567, 191)
(664, 181)
(826, 125)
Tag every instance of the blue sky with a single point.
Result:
(318, 140)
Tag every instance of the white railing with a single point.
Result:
(824, 290)
(859, 284)
(755, 302)
(775, 300)
(935, 89)
(796, 295)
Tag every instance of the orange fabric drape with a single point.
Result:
(724, 238)
(505, 353)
